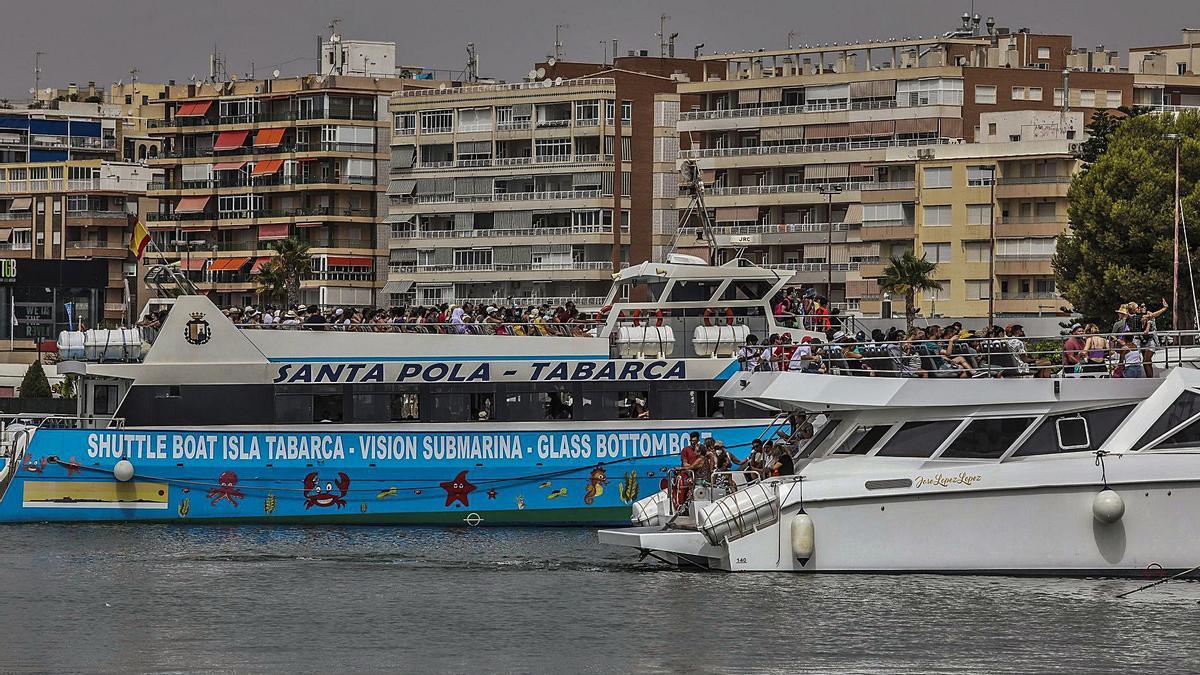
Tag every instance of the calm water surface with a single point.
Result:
(123, 598)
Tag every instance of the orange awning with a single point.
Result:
(268, 138)
(192, 264)
(228, 166)
(195, 228)
(309, 224)
(227, 264)
(258, 264)
(272, 232)
(230, 140)
(196, 109)
(267, 167)
(192, 204)
(349, 261)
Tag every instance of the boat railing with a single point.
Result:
(35, 421)
(971, 355)
(582, 328)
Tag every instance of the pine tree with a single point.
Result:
(35, 384)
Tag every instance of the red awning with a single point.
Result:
(309, 224)
(267, 167)
(273, 232)
(195, 228)
(349, 261)
(192, 204)
(308, 159)
(268, 138)
(228, 166)
(258, 264)
(192, 264)
(230, 140)
(227, 264)
(196, 109)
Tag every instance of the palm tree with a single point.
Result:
(280, 278)
(908, 275)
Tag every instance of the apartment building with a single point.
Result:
(247, 163)
(59, 131)
(795, 143)
(539, 189)
(1167, 77)
(64, 236)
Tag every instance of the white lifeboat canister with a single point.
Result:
(803, 537)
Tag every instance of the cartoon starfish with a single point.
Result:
(491, 494)
(72, 467)
(458, 489)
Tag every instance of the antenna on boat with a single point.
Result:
(693, 185)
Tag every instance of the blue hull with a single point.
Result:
(557, 475)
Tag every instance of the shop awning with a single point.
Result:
(272, 232)
(5, 234)
(21, 204)
(349, 261)
(230, 140)
(268, 138)
(309, 224)
(258, 264)
(192, 204)
(227, 264)
(267, 167)
(228, 166)
(397, 287)
(192, 264)
(196, 109)
(402, 188)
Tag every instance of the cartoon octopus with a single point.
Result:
(226, 489)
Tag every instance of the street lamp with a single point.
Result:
(829, 190)
(1175, 274)
(992, 248)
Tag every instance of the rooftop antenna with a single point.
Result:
(558, 45)
(37, 71)
(335, 43)
(662, 34)
(792, 34)
(216, 66)
(472, 63)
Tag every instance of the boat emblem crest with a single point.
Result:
(197, 331)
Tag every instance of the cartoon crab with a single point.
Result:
(226, 489)
(315, 495)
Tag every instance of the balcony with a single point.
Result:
(541, 232)
(504, 197)
(774, 234)
(1028, 303)
(1023, 264)
(96, 249)
(502, 271)
(816, 273)
(586, 302)
(808, 148)
(10, 216)
(797, 188)
(1034, 187)
(312, 212)
(92, 218)
(275, 180)
(1031, 226)
(291, 148)
(253, 118)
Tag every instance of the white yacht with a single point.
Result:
(1005, 476)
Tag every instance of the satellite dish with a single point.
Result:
(551, 61)
(119, 83)
(541, 72)
(275, 73)
(532, 75)
(442, 87)
(557, 81)
(32, 90)
(192, 78)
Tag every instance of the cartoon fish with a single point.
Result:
(384, 494)
(560, 492)
(185, 505)
(545, 485)
(362, 507)
(628, 489)
(269, 504)
(650, 474)
(520, 502)
(491, 493)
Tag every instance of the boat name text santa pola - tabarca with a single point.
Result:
(535, 371)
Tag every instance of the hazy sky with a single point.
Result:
(102, 40)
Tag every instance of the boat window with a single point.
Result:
(1187, 437)
(370, 407)
(699, 290)
(918, 439)
(1066, 432)
(293, 408)
(863, 439)
(747, 289)
(656, 289)
(104, 399)
(482, 407)
(404, 407)
(1183, 409)
(559, 405)
(447, 407)
(327, 408)
(632, 405)
(810, 446)
(708, 404)
(987, 438)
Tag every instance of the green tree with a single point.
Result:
(280, 278)
(908, 275)
(35, 384)
(1120, 243)
(1101, 128)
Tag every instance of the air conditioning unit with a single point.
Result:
(1074, 147)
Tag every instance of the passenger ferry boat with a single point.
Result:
(1007, 476)
(224, 423)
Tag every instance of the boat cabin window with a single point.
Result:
(1187, 437)
(327, 408)
(987, 438)
(404, 407)
(655, 289)
(918, 439)
(1074, 432)
(747, 289)
(1183, 409)
(809, 447)
(698, 290)
(863, 439)
(708, 404)
(296, 408)
(632, 405)
(104, 399)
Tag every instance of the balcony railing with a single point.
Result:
(275, 180)
(891, 185)
(553, 301)
(1033, 220)
(1050, 295)
(781, 228)
(500, 88)
(96, 215)
(493, 233)
(769, 111)
(503, 267)
(504, 197)
(813, 267)
(104, 245)
(284, 116)
(258, 214)
(16, 215)
(1023, 256)
(1033, 180)
(287, 148)
(514, 125)
(808, 148)
(848, 186)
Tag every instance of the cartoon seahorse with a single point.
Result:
(596, 482)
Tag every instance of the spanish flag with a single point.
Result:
(139, 239)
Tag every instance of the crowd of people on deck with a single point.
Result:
(708, 459)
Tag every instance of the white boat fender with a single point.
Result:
(1107, 506)
(123, 470)
(803, 537)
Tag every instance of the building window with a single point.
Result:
(475, 119)
(937, 177)
(978, 176)
(1058, 98)
(1043, 53)
(1033, 94)
(626, 111)
(937, 215)
(473, 256)
(405, 124)
(1181, 69)
(437, 121)
(587, 113)
(978, 289)
(1113, 99)
(1087, 98)
(939, 294)
(891, 213)
(1018, 93)
(979, 214)
(985, 93)
(552, 149)
(937, 253)
(977, 251)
